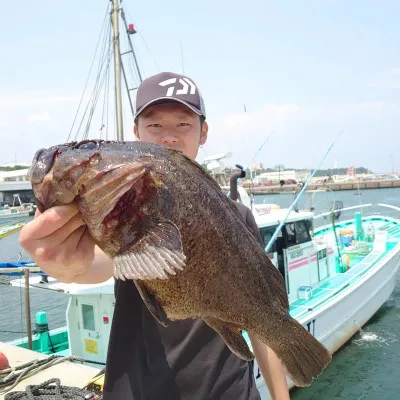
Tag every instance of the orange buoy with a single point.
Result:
(4, 364)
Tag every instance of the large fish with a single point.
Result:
(170, 229)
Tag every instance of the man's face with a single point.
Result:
(172, 125)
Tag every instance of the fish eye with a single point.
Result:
(87, 145)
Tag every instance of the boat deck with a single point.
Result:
(69, 373)
(359, 266)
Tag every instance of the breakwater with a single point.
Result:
(331, 186)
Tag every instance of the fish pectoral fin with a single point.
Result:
(151, 303)
(158, 255)
(232, 337)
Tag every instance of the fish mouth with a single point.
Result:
(40, 175)
(43, 161)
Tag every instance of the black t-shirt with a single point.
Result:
(185, 361)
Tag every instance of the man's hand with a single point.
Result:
(59, 242)
(271, 369)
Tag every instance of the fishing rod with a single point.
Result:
(259, 149)
(251, 161)
(277, 230)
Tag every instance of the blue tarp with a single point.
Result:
(17, 265)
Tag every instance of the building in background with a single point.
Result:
(15, 182)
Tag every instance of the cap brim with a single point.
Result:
(163, 100)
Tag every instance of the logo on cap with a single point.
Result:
(184, 89)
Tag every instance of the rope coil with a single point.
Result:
(10, 377)
(51, 390)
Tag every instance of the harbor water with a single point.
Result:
(367, 368)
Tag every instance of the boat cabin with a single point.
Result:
(89, 316)
(303, 262)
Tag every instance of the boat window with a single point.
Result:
(290, 234)
(298, 232)
(310, 227)
(302, 232)
(266, 235)
(88, 317)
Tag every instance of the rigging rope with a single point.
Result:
(105, 58)
(90, 70)
(10, 377)
(104, 50)
(144, 42)
(51, 390)
(105, 100)
(96, 96)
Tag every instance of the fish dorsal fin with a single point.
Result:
(158, 255)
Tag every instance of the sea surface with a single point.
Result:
(366, 368)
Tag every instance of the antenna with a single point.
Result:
(183, 66)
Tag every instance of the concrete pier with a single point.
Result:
(362, 185)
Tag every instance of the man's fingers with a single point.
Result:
(85, 241)
(84, 250)
(69, 247)
(63, 234)
(47, 223)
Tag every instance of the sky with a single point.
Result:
(301, 70)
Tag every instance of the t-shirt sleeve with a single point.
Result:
(251, 222)
(248, 218)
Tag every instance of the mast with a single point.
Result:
(131, 30)
(117, 69)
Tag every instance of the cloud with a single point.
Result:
(303, 133)
(271, 114)
(386, 79)
(335, 112)
(39, 117)
(29, 100)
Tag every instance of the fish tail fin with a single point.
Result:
(302, 355)
(232, 337)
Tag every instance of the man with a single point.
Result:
(187, 359)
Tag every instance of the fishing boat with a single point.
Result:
(337, 275)
(10, 229)
(18, 209)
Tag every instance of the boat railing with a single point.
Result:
(389, 206)
(325, 214)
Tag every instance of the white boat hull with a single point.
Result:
(15, 214)
(337, 322)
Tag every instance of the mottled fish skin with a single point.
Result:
(169, 228)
